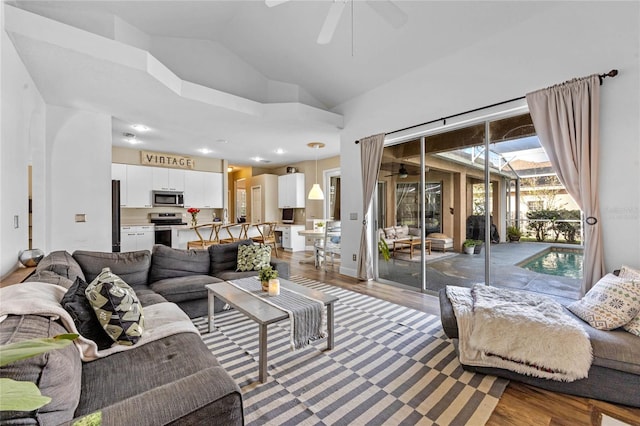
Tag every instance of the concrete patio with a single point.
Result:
(465, 270)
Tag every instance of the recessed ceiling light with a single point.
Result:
(279, 151)
(140, 127)
(205, 150)
(257, 159)
(229, 169)
(131, 138)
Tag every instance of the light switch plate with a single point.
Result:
(353, 216)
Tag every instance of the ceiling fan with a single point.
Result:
(402, 173)
(387, 10)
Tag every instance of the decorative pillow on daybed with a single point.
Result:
(76, 303)
(117, 307)
(611, 303)
(632, 326)
(253, 257)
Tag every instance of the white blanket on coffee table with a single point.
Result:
(160, 320)
(519, 331)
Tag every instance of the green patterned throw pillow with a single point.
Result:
(611, 303)
(117, 307)
(253, 257)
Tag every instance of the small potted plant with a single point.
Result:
(477, 249)
(469, 246)
(265, 275)
(513, 233)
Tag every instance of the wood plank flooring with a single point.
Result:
(520, 405)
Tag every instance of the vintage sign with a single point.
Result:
(159, 159)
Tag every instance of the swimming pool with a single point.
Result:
(564, 262)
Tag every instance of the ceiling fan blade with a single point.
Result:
(272, 3)
(388, 11)
(331, 22)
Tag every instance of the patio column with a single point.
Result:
(459, 209)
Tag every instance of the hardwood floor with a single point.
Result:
(520, 405)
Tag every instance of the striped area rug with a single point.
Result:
(391, 365)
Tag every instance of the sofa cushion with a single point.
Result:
(61, 263)
(224, 257)
(235, 275)
(76, 303)
(148, 297)
(253, 257)
(132, 267)
(57, 373)
(184, 288)
(439, 236)
(611, 303)
(167, 262)
(117, 308)
(50, 277)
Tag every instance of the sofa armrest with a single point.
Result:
(209, 395)
(282, 267)
(447, 315)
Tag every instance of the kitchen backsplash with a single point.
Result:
(130, 216)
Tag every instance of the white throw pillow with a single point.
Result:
(632, 326)
(611, 303)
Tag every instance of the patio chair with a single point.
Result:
(440, 242)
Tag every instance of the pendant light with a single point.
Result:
(316, 192)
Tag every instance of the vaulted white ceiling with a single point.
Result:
(200, 73)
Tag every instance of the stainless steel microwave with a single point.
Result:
(168, 198)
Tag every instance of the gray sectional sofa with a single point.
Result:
(173, 380)
(614, 375)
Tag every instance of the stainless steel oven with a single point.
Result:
(164, 226)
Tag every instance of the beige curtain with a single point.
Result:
(566, 118)
(370, 157)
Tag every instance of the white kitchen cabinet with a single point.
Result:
(134, 238)
(168, 179)
(119, 172)
(290, 239)
(291, 191)
(203, 189)
(139, 184)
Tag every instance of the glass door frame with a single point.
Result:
(487, 116)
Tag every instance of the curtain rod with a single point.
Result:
(611, 73)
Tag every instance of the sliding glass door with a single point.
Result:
(465, 188)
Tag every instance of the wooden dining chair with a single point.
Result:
(267, 235)
(203, 243)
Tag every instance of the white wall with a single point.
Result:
(573, 39)
(21, 125)
(79, 179)
(219, 68)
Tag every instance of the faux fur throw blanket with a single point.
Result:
(160, 320)
(519, 331)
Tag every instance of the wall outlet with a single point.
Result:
(353, 216)
(354, 257)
